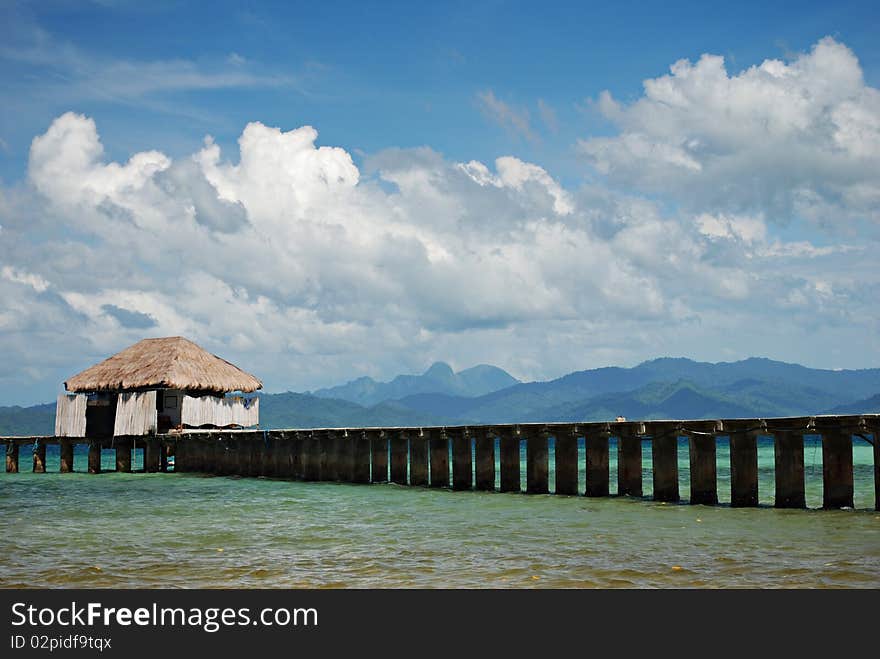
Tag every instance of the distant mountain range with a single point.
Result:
(659, 389)
(438, 379)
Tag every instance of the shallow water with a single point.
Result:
(185, 530)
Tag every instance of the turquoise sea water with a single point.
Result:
(186, 530)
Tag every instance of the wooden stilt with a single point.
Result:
(744, 469)
(95, 457)
(399, 458)
(704, 477)
(361, 458)
(123, 454)
(12, 452)
(566, 460)
(597, 464)
(152, 457)
(788, 453)
(258, 451)
(837, 469)
(311, 458)
(439, 458)
(329, 455)
(379, 457)
(462, 462)
(418, 459)
(664, 452)
(484, 450)
(40, 457)
(298, 456)
(629, 465)
(66, 451)
(537, 462)
(510, 461)
(345, 471)
(876, 434)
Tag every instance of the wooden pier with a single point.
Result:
(465, 457)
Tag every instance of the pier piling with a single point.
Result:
(152, 459)
(123, 454)
(597, 464)
(484, 454)
(11, 458)
(704, 482)
(418, 459)
(664, 457)
(743, 468)
(439, 458)
(537, 462)
(399, 457)
(39, 466)
(361, 458)
(379, 455)
(462, 463)
(629, 464)
(95, 457)
(566, 460)
(66, 455)
(510, 460)
(788, 457)
(837, 469)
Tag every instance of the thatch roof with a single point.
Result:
(173, 362)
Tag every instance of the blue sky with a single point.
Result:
(735, 183)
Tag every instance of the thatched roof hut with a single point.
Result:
(172, 363)
(154, 386)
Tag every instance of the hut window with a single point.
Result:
(170, 402)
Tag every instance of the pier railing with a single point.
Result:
(421, 456)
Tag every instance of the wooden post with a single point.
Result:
(537, 463)
(11, 458)
(245, 451)
(704, 476)
(788, 453)
(66, 450)
(418, 459)
(281, 455)
(95, 456)
(462, 462)
(379, 455)
(329, 455)
(399, 457)
(837, 469)
(163, 457)
(311, 458)
(208, 458)
(876, 434)
(361, 472)
(298, 455)
(123, 454)
(566, 460)
(743, 468)
(152, 459)
(629, 465)
(509, 461)
(258, 450)
(40, 457)
(439, 458)
(597, 464)
(484, 449)
(345, 471)
(664, 454)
